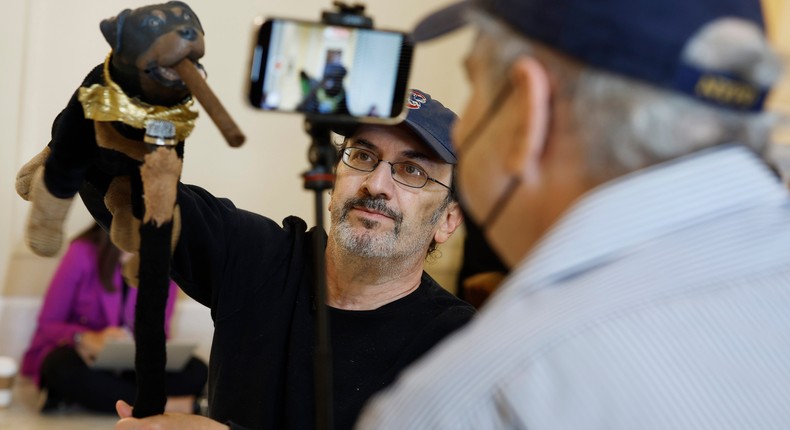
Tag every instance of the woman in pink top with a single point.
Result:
(88, 303)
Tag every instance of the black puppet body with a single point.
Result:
(103, 128)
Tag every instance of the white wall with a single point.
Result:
(777, 20)
(11, 56)
(48, 46)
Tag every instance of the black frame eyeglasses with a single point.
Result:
(403, 172)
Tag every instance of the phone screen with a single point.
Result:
(331, 71)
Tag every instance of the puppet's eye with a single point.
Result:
(152, 21)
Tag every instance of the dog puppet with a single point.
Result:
(108, 112)
(104, 124)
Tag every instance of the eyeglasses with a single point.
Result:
(403, 172)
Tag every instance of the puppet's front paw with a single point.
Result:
(44, 233)
(24, 177)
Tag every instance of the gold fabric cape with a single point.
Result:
(110, 103)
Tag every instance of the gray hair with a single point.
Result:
(626, 124)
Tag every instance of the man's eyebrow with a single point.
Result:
(411, 154)
(417, 155)
(363, 143)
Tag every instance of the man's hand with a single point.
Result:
(167, 421)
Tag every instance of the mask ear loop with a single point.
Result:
(501, 202)
(492, 110)
(478, 129)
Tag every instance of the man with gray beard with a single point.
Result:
(392, 203)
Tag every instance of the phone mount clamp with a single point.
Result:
(348, 15)
(322, 155)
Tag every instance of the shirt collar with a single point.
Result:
(621, 214)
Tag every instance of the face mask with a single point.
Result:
(471, 138)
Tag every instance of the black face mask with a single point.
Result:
(471, 138)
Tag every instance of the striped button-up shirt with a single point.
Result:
(661, 300)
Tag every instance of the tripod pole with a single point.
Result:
(323, 155)
(319, 179)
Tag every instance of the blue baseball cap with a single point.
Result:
(430, 120)
(642, 39)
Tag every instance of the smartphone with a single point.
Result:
(336, 73)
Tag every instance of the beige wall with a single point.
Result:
(11, 57)
(47, 47)
(777, 20)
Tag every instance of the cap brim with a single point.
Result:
(442, 22)
(344, 130)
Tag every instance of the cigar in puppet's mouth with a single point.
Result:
(190, 73)
(169, 77)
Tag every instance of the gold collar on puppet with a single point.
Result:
(110, 103)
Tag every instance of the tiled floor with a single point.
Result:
(23, 413)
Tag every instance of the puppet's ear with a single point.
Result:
(112, 29)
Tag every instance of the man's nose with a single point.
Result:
(379, 182)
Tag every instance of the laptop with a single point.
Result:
(119, 355)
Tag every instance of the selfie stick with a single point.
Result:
(323, 156)
(320, 178)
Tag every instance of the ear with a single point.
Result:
(112, 29)
(532, 106)
(450, 221)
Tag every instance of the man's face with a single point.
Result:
(374, 216)
(519, 163)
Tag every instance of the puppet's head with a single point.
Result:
(146, 43)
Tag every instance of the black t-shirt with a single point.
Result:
(256, 278)
(370, 348)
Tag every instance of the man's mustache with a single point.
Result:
(374, 204)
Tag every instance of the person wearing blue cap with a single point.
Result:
(612, 152)
(391, 205)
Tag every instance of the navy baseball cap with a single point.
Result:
(642, 39)
(430, 120)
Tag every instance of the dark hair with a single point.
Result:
(108, 255)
